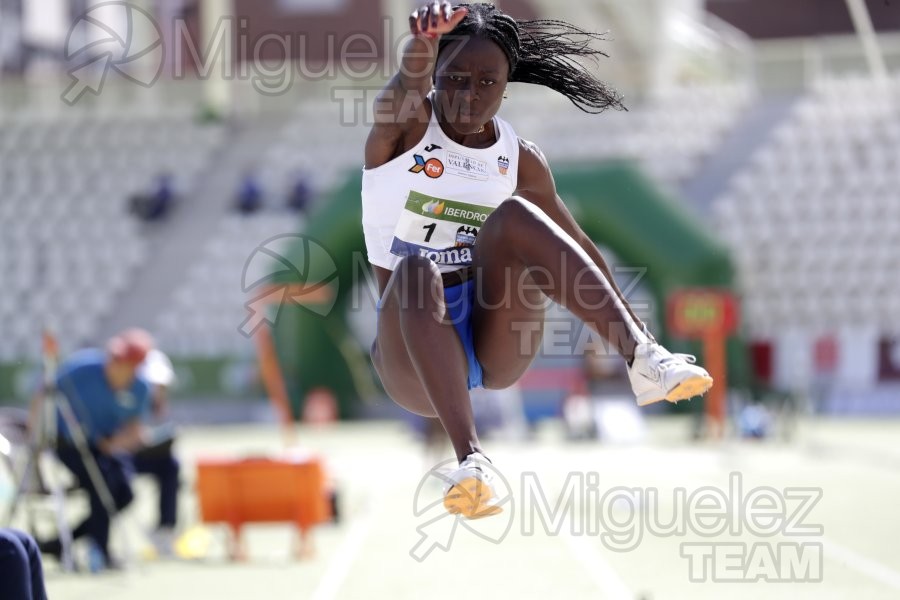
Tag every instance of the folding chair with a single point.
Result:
(35, 491)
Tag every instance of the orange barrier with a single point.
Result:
(264, 490)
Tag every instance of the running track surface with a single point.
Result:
(379, 467)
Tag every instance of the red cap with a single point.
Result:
(130, 346)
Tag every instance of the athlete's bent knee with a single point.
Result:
(499, 381)
(417, 283)
(509, 222)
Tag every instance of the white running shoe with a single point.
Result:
(657, 374)
(468, 490)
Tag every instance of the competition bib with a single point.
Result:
(443, 231)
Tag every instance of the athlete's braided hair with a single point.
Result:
(541, 52)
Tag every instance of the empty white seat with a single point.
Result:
(816, 212)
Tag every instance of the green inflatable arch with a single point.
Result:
(614, 203)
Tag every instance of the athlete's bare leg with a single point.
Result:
(517, 245)
(521, 256)
(418, 355)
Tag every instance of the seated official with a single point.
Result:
(108, 402)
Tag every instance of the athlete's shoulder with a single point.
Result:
(534, 170)
(390, 138)
(531, 156)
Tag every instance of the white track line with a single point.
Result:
(597, 567)
(872, 569)
(339, 566)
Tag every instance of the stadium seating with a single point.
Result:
(209, 306)
(317, 140)
(68, 181)
(68, 246)
(669, 134)
(814, 219)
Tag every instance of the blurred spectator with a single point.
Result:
(108, 401)
(578, 417)
(249, 197)
(754, 421)
(162, 197)
(300, 194)
(320, 407)
(21, 571)
(156, 204)
(156, 458)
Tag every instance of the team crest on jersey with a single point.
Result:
(503, 164)
(432, 167)
(465, 236)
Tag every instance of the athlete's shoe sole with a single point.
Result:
(471, 498)
(696, 385)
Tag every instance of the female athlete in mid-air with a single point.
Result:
(468, 236)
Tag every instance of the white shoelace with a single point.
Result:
(668, 358)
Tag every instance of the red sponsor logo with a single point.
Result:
(434, 168)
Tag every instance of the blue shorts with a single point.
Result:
(460, 300)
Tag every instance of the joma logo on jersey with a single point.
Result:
(432, 167)
(448, 256)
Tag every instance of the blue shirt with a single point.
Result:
(100, 410)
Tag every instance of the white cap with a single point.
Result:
(157, 369)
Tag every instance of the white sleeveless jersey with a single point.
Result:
(432, 200)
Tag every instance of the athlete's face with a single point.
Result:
(470, 77)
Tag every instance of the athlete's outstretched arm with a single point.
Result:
(400, 105)
(536, 185)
